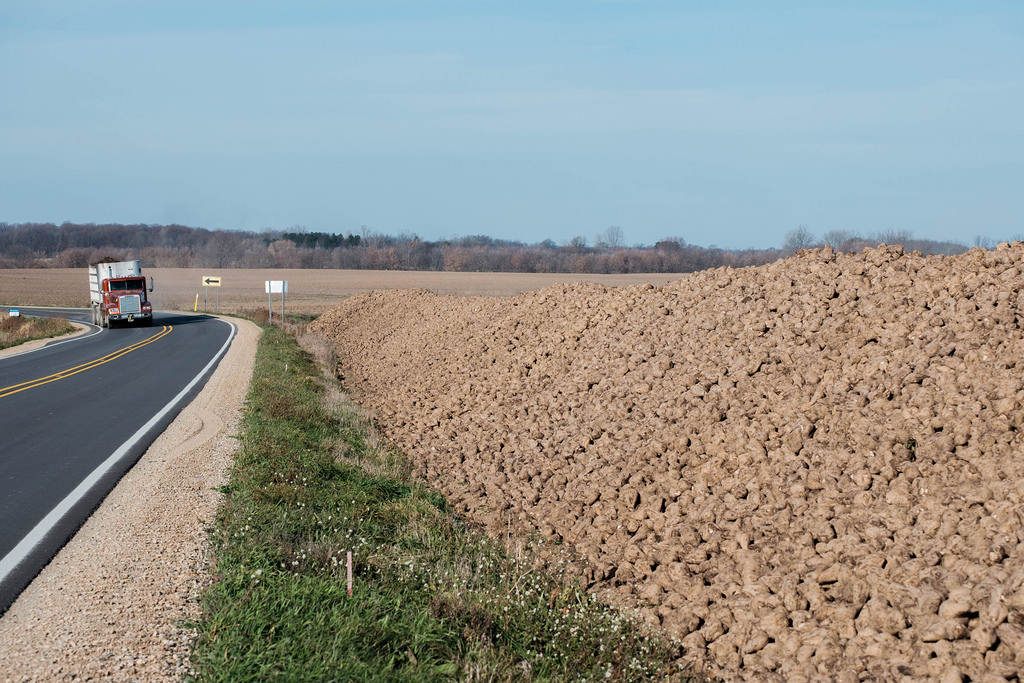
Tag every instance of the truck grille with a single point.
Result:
(131, 303)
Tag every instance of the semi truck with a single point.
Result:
(117, 291)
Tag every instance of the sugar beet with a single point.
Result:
(808, 468)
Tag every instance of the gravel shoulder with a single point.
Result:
(110, 606)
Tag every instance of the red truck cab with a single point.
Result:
(118, 293)
(124, 300)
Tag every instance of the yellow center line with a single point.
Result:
(15, 388)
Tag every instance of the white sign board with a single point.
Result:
(277, 286)
(14, 313)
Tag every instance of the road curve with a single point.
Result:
(76, 415)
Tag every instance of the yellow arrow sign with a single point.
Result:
(211, 281)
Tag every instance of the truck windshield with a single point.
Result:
(123, 285)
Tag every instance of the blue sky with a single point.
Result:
(726, 123)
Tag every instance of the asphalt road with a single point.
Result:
(76, 415)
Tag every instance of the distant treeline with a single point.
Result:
(72, 245)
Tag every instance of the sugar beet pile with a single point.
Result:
(809, 468)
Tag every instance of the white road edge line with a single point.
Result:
(36, 535)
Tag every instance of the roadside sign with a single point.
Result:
(210, 281)
(14, 313)
(275, 287)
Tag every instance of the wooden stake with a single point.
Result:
(349, 572)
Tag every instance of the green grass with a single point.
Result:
(433, 598)
(20, 329)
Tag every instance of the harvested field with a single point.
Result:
(309, 291)
(810, 469)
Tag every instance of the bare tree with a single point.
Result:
(577, 243)
(223, 250)
(612, 238)
(76, 257)
(837, 238)
(893, 236)
(285, 254)
(673, 244)
(799, 238)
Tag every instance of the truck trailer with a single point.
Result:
(118, 294)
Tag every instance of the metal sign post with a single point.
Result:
(211, 281)
(274, 287)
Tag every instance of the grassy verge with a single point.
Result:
(432, 598)
(21, 329)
